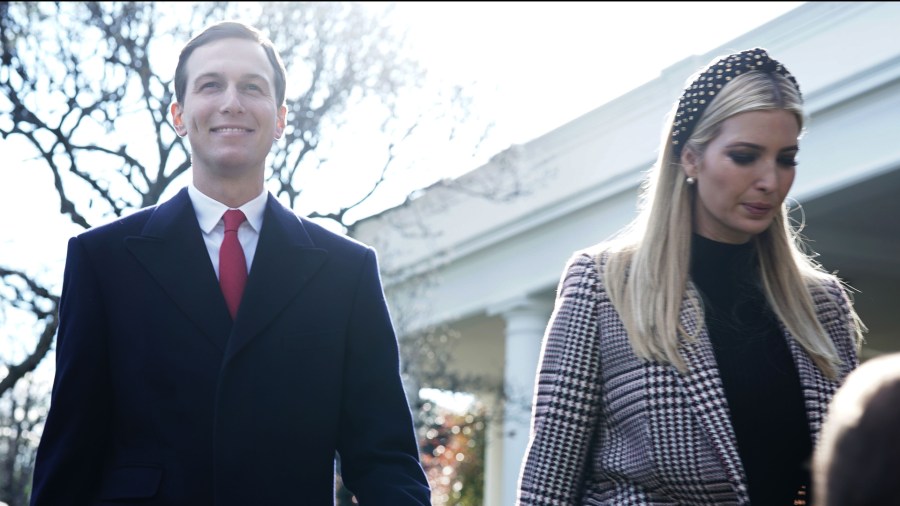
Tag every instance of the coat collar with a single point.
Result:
(171, 248)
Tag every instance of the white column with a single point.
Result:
(526, 319)
(493, 452)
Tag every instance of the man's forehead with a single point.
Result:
(230, 57)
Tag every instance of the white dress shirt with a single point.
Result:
(209, 216)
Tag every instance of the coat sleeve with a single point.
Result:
(567, 395)
(378, 449)
(76, 435)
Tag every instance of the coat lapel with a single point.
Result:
(285, 260)
(707, 396)
(172, 250)
(707, 392)
(817, 388)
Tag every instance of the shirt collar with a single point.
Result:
(209, 211)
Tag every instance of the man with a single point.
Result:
(857, 460)
(173, 390)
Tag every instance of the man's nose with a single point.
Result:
(231, 101)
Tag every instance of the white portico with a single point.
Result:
(492, 266)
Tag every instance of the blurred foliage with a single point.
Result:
(453, 446)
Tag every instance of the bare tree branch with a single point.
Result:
(30, 296)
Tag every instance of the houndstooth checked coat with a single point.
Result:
(610, 428)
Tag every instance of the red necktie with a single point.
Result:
(232, 263)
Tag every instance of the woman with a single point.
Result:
(691, 359)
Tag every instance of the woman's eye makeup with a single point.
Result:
(788, 161)
(742, 158)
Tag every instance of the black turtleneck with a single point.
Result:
(761, 382)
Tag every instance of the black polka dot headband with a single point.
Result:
(704, 89)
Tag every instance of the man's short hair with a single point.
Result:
(857, 459)
(230, 30)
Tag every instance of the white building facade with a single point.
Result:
(492, 266)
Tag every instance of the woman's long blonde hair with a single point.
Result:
(646, 270)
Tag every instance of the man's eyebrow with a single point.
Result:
(254, 76)
(219, 75)
(207, 75)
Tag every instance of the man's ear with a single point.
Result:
(280, 121)
(177, 121)
(690, 162)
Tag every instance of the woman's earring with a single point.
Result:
(690, 180)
